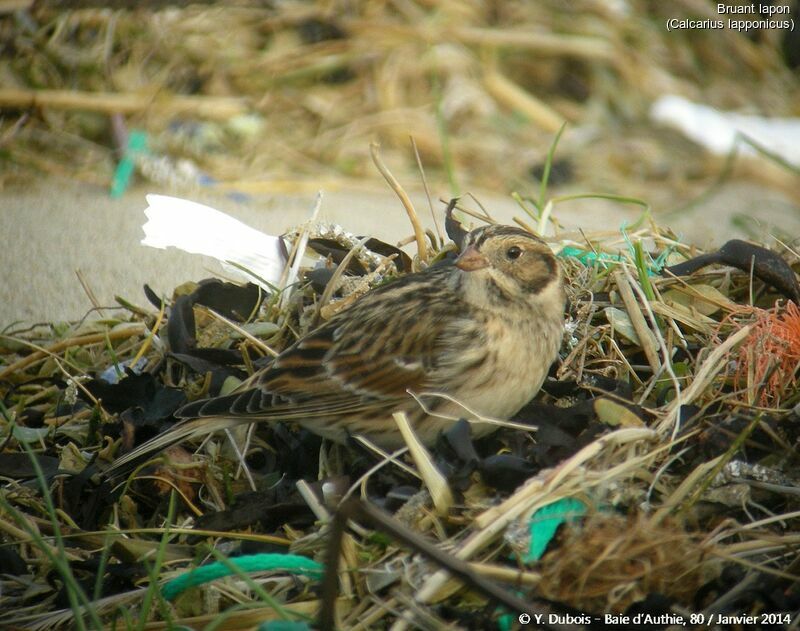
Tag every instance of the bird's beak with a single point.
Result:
(471, 260)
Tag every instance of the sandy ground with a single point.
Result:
(55, 227)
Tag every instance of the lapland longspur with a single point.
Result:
(482, 330)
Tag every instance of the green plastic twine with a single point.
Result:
(272, 562)
(545, 522)
(137, 143)
(588, 257)
(641, 258)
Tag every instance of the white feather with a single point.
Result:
(199, 229)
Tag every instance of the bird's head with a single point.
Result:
(505, 264)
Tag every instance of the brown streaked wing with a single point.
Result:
(356, 361)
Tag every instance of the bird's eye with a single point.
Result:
(514, 252)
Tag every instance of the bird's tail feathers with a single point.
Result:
(185, 430)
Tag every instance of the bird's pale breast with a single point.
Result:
(520, 357)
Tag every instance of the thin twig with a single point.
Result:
(215, 107)
(419, 233)
(136, 328)
(439, 232)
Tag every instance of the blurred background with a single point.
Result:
(252, 107)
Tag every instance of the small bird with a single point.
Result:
(482, 330)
